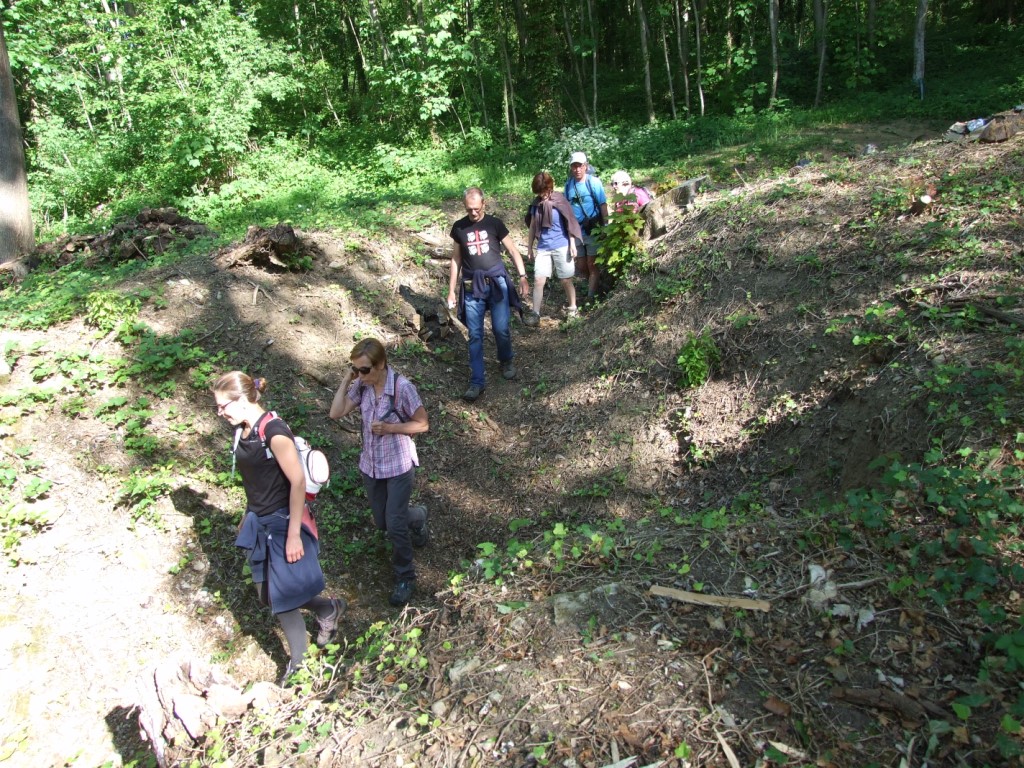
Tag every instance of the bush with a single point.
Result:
(697, 359)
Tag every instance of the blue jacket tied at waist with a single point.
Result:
(289, 585)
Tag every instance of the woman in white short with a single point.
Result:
(554, 230)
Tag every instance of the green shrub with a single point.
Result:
(697, 359)
(618, 243)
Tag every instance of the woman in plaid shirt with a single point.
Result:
(392, 412)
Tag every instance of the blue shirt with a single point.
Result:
(553, 237)
(586, 197)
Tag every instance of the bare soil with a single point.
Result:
(594, 430)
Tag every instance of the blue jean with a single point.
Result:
(495, 300)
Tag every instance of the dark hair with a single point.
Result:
(543, 182)
(372, 349)
(237, 384)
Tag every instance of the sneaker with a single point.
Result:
(571, 313)
(418, 531)
(472, 393)
(329, 626)
(508, 369)
(403, 592)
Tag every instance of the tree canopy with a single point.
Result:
(163, 98)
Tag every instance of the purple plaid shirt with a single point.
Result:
(385, 456)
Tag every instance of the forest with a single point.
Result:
(206, 104)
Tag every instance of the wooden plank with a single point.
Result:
(722, 602)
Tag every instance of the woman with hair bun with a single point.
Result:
(276, 530)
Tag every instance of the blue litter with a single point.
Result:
(976, 124)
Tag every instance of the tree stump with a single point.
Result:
(681, 197)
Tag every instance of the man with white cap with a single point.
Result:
(586, 195)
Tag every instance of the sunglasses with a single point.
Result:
(363, 369)
(619, 184)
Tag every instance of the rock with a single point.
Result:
(462, 668)
(226, 700)
(568, 605)
(681, 196)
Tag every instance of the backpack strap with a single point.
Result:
(393, 409)
(261, 430)
(593, 197)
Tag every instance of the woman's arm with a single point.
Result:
(283, 448)
(414, 426)
(342, 406)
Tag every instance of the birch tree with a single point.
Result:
(922, 13)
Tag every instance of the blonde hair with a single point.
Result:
(236, 384)
(372, 349)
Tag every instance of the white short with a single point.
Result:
(564, 266)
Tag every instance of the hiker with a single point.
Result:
(277, 529)
(392, 412)
(480, 282)
(554, 228)
(586, 193)
(626, 196)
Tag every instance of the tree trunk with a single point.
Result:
(478, 67)
(521, 35)
(819, 28)
(508, 95)
(646, 53)
(773, 29)
(668, 71)
(576, 69)
(593, 60)
(871, 25)
(17, 236)
(922, 13)
(360, 59)
(696, 27)
(683, 48)
(375, 18)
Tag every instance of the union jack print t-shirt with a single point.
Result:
(479, 241)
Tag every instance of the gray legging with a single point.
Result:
(294, 625)
(389, 501)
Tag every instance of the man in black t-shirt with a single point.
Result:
(480, 283)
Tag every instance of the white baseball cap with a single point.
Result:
(578, 157)
(621, 177)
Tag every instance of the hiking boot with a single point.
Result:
(472, 393)
(403, 592)
(329, 626)
(508, 369)
(418, 533)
